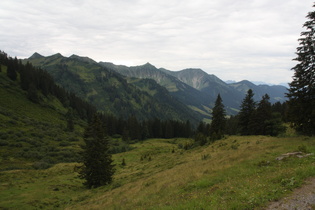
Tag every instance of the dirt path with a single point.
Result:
(301, 199)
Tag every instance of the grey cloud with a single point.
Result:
(248, 39)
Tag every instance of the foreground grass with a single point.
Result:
(234, 173)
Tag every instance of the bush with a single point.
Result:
(72, 139)
(64, 144)
(41, 165)
(3, 143)
(205, 157)
(303, 148)
(15, 145)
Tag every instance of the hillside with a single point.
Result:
(118, 89)
(181, 91)
(34, 135)
(234, 173)
(110, 92)
(211, 86)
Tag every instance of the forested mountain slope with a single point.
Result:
(198, 89)
(183, 95)
(109, 91)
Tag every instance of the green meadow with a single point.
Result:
(233, 173)
(38, 160)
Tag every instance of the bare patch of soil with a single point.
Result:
(302, 198)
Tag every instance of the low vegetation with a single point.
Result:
(232, 173)
(27, 138)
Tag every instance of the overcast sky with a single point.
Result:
(233, 39)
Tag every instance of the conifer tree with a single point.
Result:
(97, 168)
(302, 88)
(11, 71)
(260, 117)
(218, 120)
(69, 118)
(169, 130)
(247, 108)
(187, 131)
(32, 93)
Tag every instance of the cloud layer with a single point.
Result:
(235, 40)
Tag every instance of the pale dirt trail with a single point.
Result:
(302, 198)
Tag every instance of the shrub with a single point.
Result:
(263, 163)
(303, 148)
(72, 139)
(41, 165)
(3, 143)
(205, 157)
(4, 136)
(64, 144)
(235, 146)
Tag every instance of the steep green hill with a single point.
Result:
(34, 134)
(111, 92)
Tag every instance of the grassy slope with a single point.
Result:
(32, 132)
(231, 173)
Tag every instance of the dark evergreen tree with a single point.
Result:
(32, 93)
(302, 88)
(200, 139)
(203, 128)
(282, 109)
(97, 168)
(11, 71)
(134, 128)
(274, 125)
(3, 58)
(259, 118)
(187, 130)
(247, 108)
(125, 135)
(218, 120)
(69, 118)
(232, 127)
(145, 131)
(169, 130)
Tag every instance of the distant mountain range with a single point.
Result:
(148, 92)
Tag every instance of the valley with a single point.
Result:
(42, 133)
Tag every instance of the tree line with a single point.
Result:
(254, 118)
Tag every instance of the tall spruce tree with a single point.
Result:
(260, 117)
(302, 88)
(11, 71)
(97, 168)
(247, 109)
(217, 126)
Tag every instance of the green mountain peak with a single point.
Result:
(36, 55)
